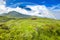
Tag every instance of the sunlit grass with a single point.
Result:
(29, 29)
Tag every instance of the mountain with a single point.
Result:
(14, 14)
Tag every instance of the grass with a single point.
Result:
(29, 29)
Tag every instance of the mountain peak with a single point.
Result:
(14, 14)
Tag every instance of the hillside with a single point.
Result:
(14, 14)
(30, 29)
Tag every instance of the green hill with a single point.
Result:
(30, 29)
(14, 14)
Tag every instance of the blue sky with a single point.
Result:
(40, 2)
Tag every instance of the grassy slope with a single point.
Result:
(28, 29)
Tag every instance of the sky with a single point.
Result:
(48, 8)
(40, 2)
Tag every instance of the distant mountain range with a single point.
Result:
(14, 14)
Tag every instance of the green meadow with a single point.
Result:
(29, 29)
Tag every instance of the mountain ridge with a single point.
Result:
(14, 14)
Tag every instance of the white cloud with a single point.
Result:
(2, 2)
(2, 6)
(55, 10)
(36, 10)
(54, 7)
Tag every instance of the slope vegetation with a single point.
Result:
(30, 29)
